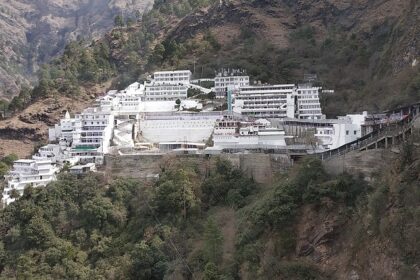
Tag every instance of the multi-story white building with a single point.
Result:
(95, 135)
(27, 172)
(278, 101)
(341, 131)
(308, 105)
(66, 131)
(266, 101)
(52, 152)
(168, 86)
(109, 102)
(229, 79)
(172, 77)
(165, 92)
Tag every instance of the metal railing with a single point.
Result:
(390, 130)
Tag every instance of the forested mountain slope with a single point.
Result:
(34, 31)
(362, 49)
(219, 225)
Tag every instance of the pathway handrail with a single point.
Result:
(389, 130)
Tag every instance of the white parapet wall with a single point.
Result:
(177, 130)
(178, 127)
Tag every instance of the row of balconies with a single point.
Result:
(93, 128)
(245, 110)
(261, 97)
(166, 93)
(262, 106)
(268, 102)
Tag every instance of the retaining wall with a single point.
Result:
(261, 167)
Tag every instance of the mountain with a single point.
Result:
(367, 51)
(362, 49)
(211, 221)
(34, 31)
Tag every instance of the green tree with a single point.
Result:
(158, 53)
(174, 194)
(119, 21)
(16, 104)
(38, 232)
(211, 272)
(4, 168)
(9, 159)
(213, 242)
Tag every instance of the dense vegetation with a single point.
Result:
(127, 52)
(354, 65)
(90, 228)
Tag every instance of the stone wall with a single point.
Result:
(261, 167)
(364, 162)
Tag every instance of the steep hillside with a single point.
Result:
(363, 49)
(218, 224)
(34, 31)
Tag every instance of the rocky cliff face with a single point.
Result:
(276, 20)
(34, 31)
(363, 49)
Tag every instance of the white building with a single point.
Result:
(229, 79)
(307, 100)
(109, 101)
(27, 172)
(172, 77)
(341, 131)
(95, 135)
(52, 152)
(231, 133)
(266, 101)
(66, 130)
(165, 92)
(168, 86)
(278, 101)
(82, 169)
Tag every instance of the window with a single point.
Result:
(347, 132)
(355, 132)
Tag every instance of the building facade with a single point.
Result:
(343, 130)
(307, 100)
(229, 80)
(165, 92)
(27, 172)
(172, 77)
(266, 101)
(279, 101)
(95, 135)
(233, 133)
(66, 130)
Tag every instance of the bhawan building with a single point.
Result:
(279, 101)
